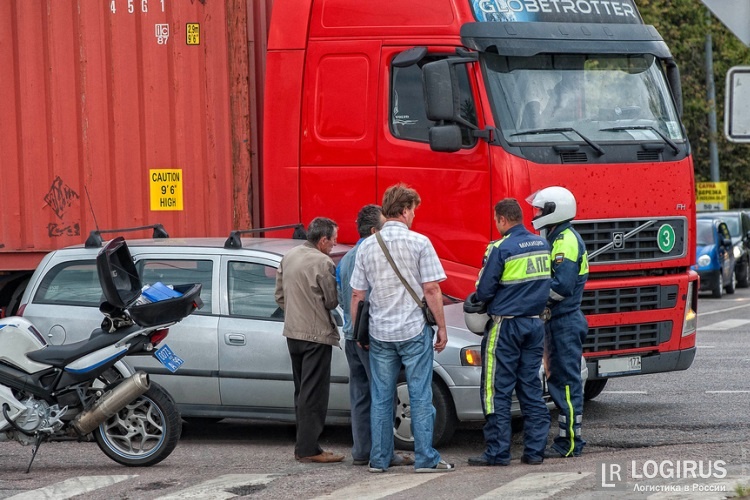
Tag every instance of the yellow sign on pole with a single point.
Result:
(166, 189)
(711, 196)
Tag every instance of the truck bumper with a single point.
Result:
(655, 363)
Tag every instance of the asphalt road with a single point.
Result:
(647, 428)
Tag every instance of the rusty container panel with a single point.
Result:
(111, 108)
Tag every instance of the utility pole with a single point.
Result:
(711, 96)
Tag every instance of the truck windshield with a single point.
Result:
(604, 98)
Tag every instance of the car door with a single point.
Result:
(254, 366)
(195, 385)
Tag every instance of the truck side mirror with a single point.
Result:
(439, 90)
(445, 138)
(673, 77)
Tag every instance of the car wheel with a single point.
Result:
(445, 416)
(743, 276)
(732, 283)
(718, 288)
(593, 388)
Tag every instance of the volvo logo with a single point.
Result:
(618, 240)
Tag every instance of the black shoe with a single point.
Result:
(552, 453)
(481, 461)
(532, 461)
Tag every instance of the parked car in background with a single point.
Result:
(738, 222)
(715, 262)
(236, 359)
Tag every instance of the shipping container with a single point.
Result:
(123, 113)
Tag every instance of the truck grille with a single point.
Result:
(619, 300)
(612, 338)
(632, 240)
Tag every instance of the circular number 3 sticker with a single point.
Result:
(665, 238)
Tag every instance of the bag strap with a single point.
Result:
(393, 265)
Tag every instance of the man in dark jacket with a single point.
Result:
(514, 283)
(567, 327)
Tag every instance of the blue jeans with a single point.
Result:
(386, 359)
(359, 395)
(564, 339)
(511, 356)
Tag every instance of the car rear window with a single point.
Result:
(71, 284)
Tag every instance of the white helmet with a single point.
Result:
(558, 205)
(475, 314)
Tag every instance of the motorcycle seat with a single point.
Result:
(61, 355)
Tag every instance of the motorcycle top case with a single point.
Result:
(121, 285)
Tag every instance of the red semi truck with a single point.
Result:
(134, 112)
(472, 101)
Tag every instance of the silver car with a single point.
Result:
(236, 359)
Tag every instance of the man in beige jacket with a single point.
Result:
(306, 290)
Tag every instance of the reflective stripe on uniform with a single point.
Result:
(487, 252)
(526, 267)
(566, 244)
(571, 420)
(489, 371)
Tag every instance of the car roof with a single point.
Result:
(277, 246)
(719, 214)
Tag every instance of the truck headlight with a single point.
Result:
(690, 323)
(704, 260)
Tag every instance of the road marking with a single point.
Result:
(216, 489)
(381, 486)
(536, 485)
(624, 392)
(727, 392)
(70, 487)
(706, 346)
(719, 311)
(727, 324)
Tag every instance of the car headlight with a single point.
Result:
(471, 356)
(737, 252)
(704, 260)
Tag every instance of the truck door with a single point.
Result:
(456, 209)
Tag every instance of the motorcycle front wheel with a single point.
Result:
(143, 433)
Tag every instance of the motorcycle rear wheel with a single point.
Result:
(143, 433)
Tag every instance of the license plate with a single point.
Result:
(168, 358)
(619, 366)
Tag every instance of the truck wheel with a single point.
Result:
(593, 388)
(143, 433)
(732, 283)
(445, 416)
(718, 289)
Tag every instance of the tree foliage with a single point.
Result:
(684, 25)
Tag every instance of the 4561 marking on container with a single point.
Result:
(166, 189)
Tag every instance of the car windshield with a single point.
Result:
(705, 232)
(575, 97)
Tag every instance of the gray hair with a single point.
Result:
(319, 227)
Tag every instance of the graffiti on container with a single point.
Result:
(60, 199)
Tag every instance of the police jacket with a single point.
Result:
(570, 269)
(515, 275)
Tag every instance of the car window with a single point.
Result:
(251, 291)
(705, 234)
(72, 284)
(180, 272)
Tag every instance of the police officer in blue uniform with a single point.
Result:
(515, 284)
(566, 329)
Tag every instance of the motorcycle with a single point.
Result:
(84, 390)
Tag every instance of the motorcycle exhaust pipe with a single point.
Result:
(111, 402)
